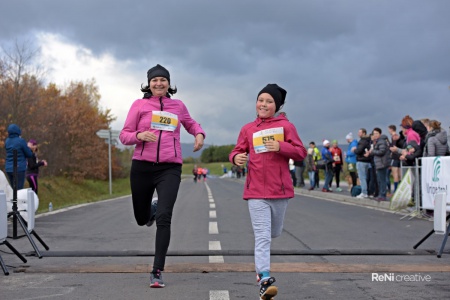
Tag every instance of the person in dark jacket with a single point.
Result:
(33, 166)
(15, 142)
(397, 141)
(436, 143)
(362, 162)
(381, 155)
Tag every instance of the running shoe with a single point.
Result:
(153, 207)
(267, 290)
(156, 280)
(338, 190)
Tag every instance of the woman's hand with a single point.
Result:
(146, 136)
(198, 144)
(241, 159)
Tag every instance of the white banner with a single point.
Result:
(402, 194)
(435, 179)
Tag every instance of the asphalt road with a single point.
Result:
(329, 249)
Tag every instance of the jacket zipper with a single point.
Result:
(282, 184)
(160, 132)
(174, 146)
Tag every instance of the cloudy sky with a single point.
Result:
(346, 64)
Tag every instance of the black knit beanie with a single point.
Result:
(278, 94)
(158, 71)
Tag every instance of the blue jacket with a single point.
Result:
(326, 155)
(14, 141)
(351, 156)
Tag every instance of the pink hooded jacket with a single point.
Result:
(167, 148)
(268, 172)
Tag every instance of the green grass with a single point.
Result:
(63, 192)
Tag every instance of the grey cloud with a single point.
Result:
(345, 64)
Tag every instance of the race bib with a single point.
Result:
(260, 137)
(163, 120)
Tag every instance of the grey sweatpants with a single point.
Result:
(267, 218)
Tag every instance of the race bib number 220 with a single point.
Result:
(163, 120)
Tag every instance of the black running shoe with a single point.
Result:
(267, 291)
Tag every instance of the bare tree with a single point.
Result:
(19, 78)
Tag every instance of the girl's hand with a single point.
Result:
(45, 162)
(273, 146)
(147, 136)
(241, 159)
(198, 144)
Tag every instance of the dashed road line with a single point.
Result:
(213, 229)
(219, 295)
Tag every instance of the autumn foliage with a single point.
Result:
(64, 121)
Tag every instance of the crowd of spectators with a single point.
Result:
(374, 161)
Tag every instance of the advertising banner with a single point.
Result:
(435, 179)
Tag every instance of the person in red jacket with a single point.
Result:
(336, 152)
(267, 144)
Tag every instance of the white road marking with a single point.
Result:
(215, 245)
(212, 205)
(212, 214)
(213, 228)
(216, 259)
(219, 295)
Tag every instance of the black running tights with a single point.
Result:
(145, 177)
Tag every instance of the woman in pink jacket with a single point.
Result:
(153, 125)
(267, 144)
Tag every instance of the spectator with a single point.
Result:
(299, 170)
(381, 155)
(292, 171)
(317, 156)
(372, 184)
(362, 162)
(436, 143)
(33, 165)
(15, 142)
(336, 152)
(311, 168)
(408, 131)
(328, 157)
(350, 158)
(398, 141)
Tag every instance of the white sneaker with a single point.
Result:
(361, 196)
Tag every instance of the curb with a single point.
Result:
(383, 205)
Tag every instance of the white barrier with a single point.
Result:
(22, 198)
(440, 214)
(3, 217)
(435, 179)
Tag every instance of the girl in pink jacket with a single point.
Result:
(267, 144)
(153, 125)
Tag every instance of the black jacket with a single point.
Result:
(363, 144)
